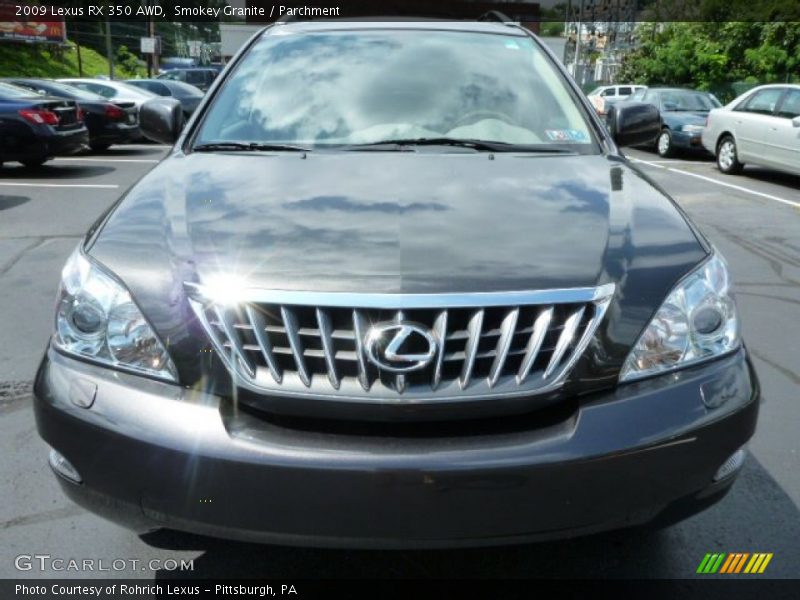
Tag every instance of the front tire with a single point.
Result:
(664, 144)
(727, 157)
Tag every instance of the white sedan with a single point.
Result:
(760, 127)
(115, 91)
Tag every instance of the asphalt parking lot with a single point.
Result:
(754, 219)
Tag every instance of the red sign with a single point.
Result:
(30, 23)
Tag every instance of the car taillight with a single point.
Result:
(115, 113)
(39, 117)
(81, 116)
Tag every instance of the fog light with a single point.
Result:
(730, 466)
(63, 467)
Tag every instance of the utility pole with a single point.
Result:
(109, 55)
(78, 49)
(150, 28)
(567, 16)
(567, 20)
(151, 31)
(577, 44)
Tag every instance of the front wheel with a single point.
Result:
(727, 160)
(664, 144)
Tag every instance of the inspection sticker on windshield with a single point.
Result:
(565, 135)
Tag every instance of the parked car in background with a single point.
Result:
(188, 95)
(683, 117)
(604, 96)
(168, 63)
(199, 77)
(760, 127)
(35, 128)
(108, 122)
(116, 91)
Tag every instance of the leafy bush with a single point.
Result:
(709, 56)
(42, 60)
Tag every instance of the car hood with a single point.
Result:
(403, 222)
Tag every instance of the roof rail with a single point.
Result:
(495, 15)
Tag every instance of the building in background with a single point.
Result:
(599, 33)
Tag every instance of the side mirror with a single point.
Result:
(796, 122)
(633, 123)
(161, 119)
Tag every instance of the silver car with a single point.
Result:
(760, 127)
(116, 91)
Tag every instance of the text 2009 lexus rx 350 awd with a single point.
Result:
(395, 285)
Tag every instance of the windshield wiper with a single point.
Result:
(246, 147)
(479, 145)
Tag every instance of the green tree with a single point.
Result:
(126, 60)
(711, 56)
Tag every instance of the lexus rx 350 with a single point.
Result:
(395, 285)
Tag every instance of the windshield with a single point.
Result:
(72, 91)
(9, 92)
(132, 90)
(334, 88)
(684, 100)
(185, 90)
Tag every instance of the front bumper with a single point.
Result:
(50, 142)
(116, 133)
(68, 142)
(156, 455)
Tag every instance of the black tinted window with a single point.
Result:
(195, 77)
(156, 88)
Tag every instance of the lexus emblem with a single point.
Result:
(400, 347)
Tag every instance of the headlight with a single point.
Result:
(97, 319)
(693, 128)
(696, 322)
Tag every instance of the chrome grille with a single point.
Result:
(493, 344)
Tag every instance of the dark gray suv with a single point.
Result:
(395, 285)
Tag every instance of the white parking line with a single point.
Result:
(646, 162)
(58, 185)
(111, 160)
(672, 162)
(793, 203)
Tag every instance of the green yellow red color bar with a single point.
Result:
(735, 562)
